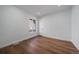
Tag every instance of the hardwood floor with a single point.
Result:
(40, 45)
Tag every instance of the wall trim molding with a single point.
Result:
(55, 37)
(31, 37)
(75, 45)
(18, 41)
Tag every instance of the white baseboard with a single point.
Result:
(17, 41)
(56, 37)
(75, 45)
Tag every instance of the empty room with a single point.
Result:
(39, 29)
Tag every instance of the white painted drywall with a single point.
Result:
(57, 25)
(13, 25)
(75, 26)
(1, 25)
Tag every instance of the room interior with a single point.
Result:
(39, 29)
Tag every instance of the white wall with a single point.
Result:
(13, 25)
(75, 26)
(57, 25)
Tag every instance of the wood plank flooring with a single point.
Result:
(40, 45)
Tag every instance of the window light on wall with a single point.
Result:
(32, 25)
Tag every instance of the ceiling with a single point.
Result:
(42, 10)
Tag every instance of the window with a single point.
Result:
(32, 25)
